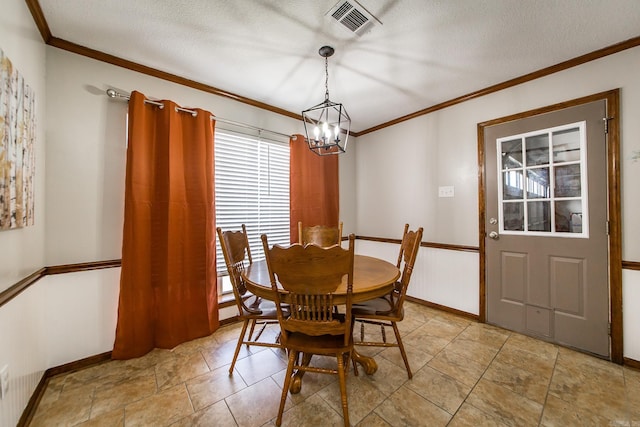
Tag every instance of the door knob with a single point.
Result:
(493, 235)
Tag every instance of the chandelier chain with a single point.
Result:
(326, 78)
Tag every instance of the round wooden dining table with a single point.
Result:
(372, 278)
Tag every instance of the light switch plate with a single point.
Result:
(445, 191)
(4, 381)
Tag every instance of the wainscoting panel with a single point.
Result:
(631, 315)
(441, 276)
(22, 349)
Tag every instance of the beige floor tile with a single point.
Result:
(114, 397)
(590, 391)
(259, 366)
(486, 334)
(417, 357)
(470, 416)
(540, 348)
(407, 408)
(442, 328)
(503, 404)
(195, 345)
(471, 349)
(388, 378)
(113, 418)
(423, 339)
(218, 355)
(457, 366)
(180, 369)
(558, 413)
(160, 409)
(362, 397)
(531, 385)
(527, 360)
(209, 388)
(439, 389)
(257, 404)
(312, 412)
(373, 420)
(217, 415)
(69, 409)
(408, 325)
(228, 333)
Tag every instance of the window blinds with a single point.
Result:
(252, 187)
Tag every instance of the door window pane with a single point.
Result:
(511, 154)
(568, 216)
(539, 218)
(513, 214)
(538, 183)
(512, 185)
(537, 148)
(566, 145)
(567, 181)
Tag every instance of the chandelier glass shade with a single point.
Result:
(327, 124)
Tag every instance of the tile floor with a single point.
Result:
(465, 374)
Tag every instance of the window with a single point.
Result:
(542, 184)
(252, 188)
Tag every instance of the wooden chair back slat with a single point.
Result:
(320, 235)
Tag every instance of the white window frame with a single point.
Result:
(552, 199)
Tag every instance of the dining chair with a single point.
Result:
(310, 276)
(251, 309)
(321, 235)
(388, 310)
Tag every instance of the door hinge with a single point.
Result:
(608, 228)
(606, 123)
(609, 329)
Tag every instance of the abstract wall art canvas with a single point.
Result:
(17, 155)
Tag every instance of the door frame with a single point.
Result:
(612, 100)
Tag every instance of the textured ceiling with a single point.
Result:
(424, 53)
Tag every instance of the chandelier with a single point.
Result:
(327, 124)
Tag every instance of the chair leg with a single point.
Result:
(343, 389)
(401, 346)
(355, 364)
(293, 355)
(253, 325)
(361, 331)
(240, 340)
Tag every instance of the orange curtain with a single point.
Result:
(168, 292)
(314, 187)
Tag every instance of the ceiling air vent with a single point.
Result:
(353, 16)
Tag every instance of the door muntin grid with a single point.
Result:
(542, 182)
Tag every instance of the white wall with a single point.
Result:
(441, 149)
(22, 250)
